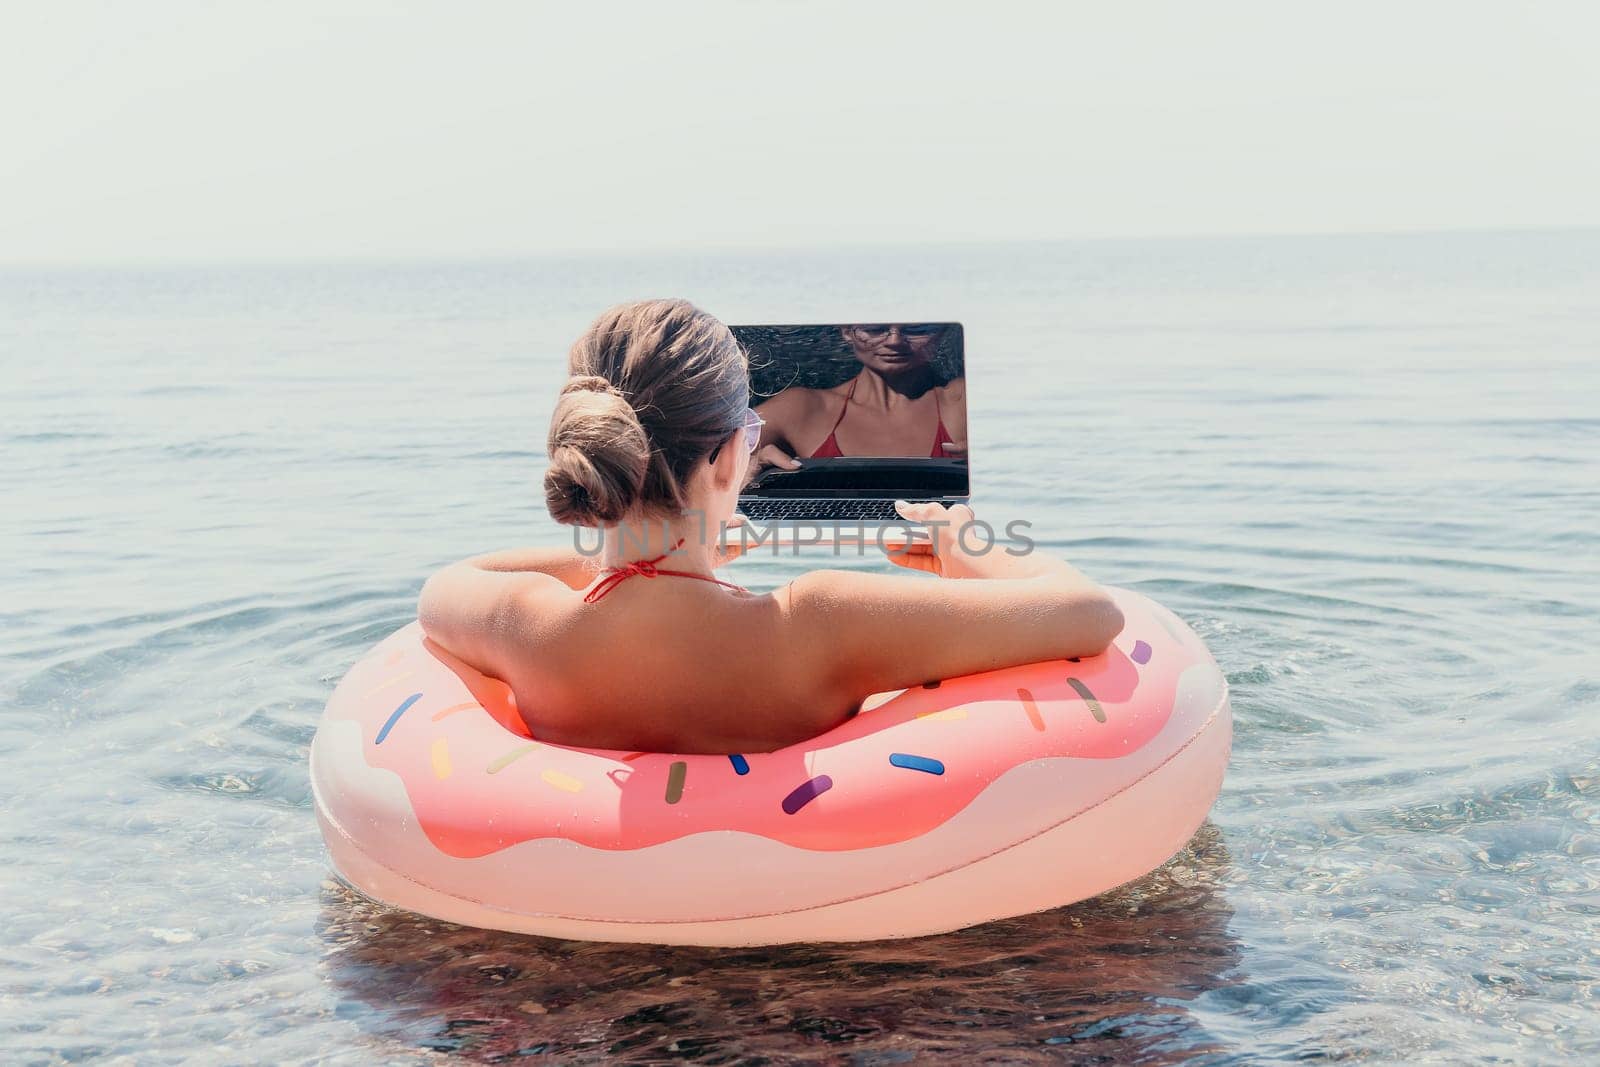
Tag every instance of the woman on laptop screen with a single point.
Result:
(895, 404)
(644, 647)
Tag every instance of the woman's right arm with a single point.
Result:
(870, 633)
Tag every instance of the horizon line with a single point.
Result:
(678, 250)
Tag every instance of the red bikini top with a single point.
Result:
(646, 568)
(829, 448)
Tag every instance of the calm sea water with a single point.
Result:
(1367, 470)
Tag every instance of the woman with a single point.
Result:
(895, 406)
(645, 648)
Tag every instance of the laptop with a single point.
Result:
(857, 416)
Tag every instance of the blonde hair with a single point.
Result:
(655, 386)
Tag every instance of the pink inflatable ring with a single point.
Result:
(936, 808)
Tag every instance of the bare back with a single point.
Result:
(666, 664)
(673, 664)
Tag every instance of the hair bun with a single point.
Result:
(599, 454)
(589, 383)
(654, 387)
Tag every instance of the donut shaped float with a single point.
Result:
(936, 808)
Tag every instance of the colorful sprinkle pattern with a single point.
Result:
(564, 782)
(818, 795)
(405, 705)
(440, 755)
(675, 779)
(1030, 706)
(508, 759)
(805, 793)
(1082, 690)
(915, 763)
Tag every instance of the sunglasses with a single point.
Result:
(916, 330)
(752, 433)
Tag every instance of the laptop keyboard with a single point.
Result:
(820, 509)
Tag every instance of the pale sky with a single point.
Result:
(172, 132)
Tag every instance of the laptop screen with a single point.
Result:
(860, 410)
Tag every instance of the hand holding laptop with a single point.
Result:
(771, 456)
(946, 554)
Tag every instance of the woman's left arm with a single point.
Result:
(566, 565)
(467, 606)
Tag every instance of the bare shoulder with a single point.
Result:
(954, 390)
(542, 597)
(798, 402)
(487, 617)
(798, 418)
